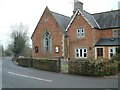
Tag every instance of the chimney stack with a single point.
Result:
(78, 5)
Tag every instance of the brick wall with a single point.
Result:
(107, 33)
(87, 42)
(47, 22)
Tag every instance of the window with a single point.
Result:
(100, 52)
(116, 33)
(36, 49)
(46, 41)
(112, 52)
(81, 53)
(80, 33)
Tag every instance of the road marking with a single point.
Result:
(30, 77)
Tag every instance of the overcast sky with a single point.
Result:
(29, 12)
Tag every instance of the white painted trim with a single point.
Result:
(74, 18)
(114, 48)
(96, 22)
(82, 53)
(96, 52)
(71, 21)
(103, 52)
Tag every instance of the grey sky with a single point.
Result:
(29, 11)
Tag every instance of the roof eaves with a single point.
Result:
(74, 17)
(86, 19)
(71, 20)
(96, 22)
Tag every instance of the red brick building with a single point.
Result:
(81, 36)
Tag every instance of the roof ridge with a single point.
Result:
(86, 12)
(60, 14)
(106, 12)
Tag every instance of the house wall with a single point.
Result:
(67, 45)
(74, 42)
(98, 35)
(105, 51)
(47, 22)
(107, 33)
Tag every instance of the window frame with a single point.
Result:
(101, 53)
(116, 33)
(80, 53)
(113, 52)
(46, 42)
(80, 33)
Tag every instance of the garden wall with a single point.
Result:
(45, 64)
(93, 67)
(25, 62)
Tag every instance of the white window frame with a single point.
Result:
(80, 33)
(80, 55)
(109, 51)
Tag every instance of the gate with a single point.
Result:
(64, 65)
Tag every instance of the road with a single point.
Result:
(14, 76)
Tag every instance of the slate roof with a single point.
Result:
(108, 19)
(102, 20)
(90, 18)
(108, 42)
(62, 20)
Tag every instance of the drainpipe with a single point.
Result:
(68, 42)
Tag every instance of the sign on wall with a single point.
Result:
(57, 49)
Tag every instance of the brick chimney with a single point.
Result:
(78, 5)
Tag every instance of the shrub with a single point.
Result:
(117, 58)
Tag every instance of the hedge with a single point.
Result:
(117, 58)
(45, 64)
(93, 67)
(25, 62)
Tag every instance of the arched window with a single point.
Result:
(46, 41)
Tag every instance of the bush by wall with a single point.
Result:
(45, 64)
(25, 62)
(117, 58)
(93, 67)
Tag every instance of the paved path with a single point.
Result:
(14, 76)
